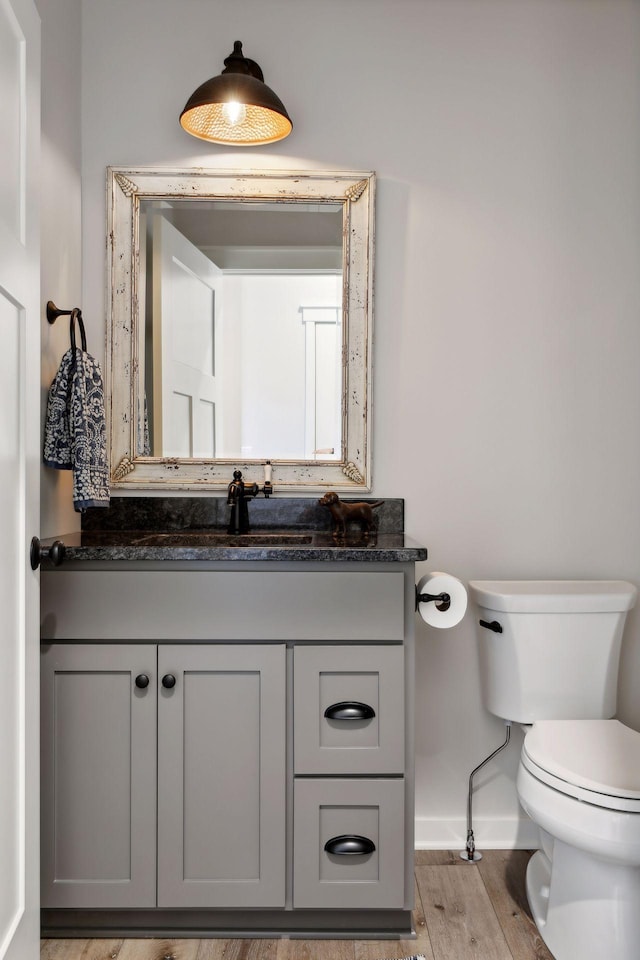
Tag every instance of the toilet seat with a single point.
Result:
(596, 761)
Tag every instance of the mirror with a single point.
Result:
(239, 327)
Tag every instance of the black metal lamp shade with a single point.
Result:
(236, 107)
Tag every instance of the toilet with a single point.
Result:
(549, 654)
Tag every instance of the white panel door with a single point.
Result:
(19, 477)
(187, 289)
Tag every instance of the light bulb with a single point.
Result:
(234, 112)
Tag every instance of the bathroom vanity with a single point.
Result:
(227, 724)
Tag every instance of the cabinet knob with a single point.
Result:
(349, 710)
(349, 845)
(168, 681)
(142, 681)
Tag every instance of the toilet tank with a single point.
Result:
(552, 649)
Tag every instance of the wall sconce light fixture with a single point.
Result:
(236, 107)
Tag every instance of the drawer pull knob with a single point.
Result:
(349, 845)
(349, 710)
(168, 681)
(142, 681)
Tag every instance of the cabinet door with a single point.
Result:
(98, 742)
(221, 776)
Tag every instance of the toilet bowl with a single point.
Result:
(549, 655)
(579, 781)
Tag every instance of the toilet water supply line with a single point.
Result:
(471, 854)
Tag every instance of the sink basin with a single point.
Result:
(220, 538)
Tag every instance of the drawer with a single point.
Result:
(368, 810)
(366, 737)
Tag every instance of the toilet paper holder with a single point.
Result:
(441, 600)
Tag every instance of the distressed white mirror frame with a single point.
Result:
(126, 188)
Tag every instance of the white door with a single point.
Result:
(187, 289)
(19, 477)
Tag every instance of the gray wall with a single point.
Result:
(506, 139)
(60, 218)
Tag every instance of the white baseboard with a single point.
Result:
(506, 834)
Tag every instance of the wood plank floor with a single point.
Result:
(463, 912)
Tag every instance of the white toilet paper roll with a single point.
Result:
(435, 583)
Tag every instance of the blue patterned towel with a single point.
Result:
(75, 436)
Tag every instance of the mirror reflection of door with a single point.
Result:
(323, 355)
(242, 347)
(187, 295)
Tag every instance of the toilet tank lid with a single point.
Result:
(554, 596)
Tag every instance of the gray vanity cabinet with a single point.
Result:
(277, 721)
(214, 716)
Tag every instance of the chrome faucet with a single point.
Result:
(238, 495)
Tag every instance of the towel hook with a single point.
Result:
(54, 312)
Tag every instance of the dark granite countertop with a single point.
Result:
(190, 528)
(207, 545)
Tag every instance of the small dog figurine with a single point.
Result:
(344, 513)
